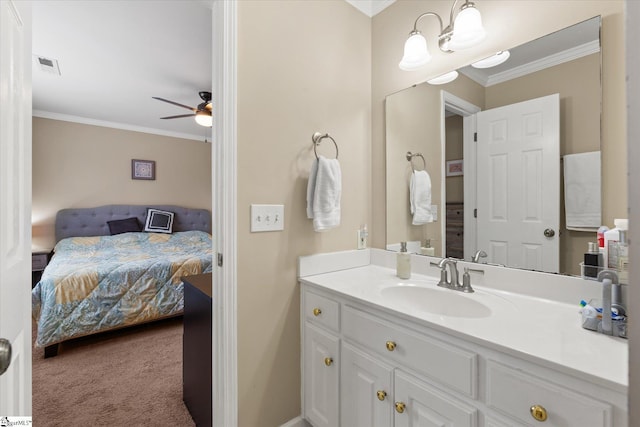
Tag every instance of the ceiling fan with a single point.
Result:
(202, 113)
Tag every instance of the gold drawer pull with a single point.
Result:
(317, 312)
(391, 345)
(400, 407)
(538, 412)
(381, 395)
(328, 361)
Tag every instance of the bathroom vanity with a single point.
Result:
(380, 351)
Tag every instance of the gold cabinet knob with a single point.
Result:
(328, 361)
(400, 407)
(538, 412)
(381, 395)
(391, 345)
(317, 312)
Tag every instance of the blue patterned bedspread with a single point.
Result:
(99, 283)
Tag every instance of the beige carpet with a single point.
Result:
(131, 377)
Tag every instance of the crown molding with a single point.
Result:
(123, 126)
(370, 7)
(532, 67)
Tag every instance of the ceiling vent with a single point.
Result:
(48, 65)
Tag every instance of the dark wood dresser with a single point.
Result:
(196, 348)
(455, 230)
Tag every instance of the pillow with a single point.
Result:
(159, 221)
(120, 226)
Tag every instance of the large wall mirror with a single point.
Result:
(439, 121)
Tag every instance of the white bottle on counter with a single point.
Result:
(611, 242)
(403, 262)
(427, 249)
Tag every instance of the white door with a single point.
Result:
(15, 204)
(518, 175)
(366, 397)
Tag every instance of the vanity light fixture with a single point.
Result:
(463, 31)
(443, 79)
(492, 61)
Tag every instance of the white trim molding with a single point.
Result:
(114, 125)
(224, 184)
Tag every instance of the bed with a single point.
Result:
(97, 281)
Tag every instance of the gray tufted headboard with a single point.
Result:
(93, 221)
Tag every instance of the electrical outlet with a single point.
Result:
(434, 212)
(267, 218)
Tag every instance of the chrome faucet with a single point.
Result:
(454, 283)
(479, 254)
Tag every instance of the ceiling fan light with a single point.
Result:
(443, 79)
(416, 53)
(467, 28)
(492, 61)
(204, 119)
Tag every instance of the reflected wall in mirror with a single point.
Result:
(568, 63)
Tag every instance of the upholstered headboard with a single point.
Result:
(93, 221)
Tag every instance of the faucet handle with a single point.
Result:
(466, 281)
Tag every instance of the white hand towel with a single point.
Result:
(327, 193)
(311, 188)
(582, 200)
(420, 197)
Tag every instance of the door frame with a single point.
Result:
(224, 187)
(467, 110)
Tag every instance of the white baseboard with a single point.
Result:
(296, 422)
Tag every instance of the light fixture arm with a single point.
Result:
(445, 33)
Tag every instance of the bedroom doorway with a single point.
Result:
(223, 17)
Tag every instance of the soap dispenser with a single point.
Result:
(403, 262)
(427, 249)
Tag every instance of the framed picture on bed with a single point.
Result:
(143, 169)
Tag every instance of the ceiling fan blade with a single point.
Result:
(178, 117)
(175, 103)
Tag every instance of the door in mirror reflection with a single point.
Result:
(518, 170)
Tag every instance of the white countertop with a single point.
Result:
(540, 330)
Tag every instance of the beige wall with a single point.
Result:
(303, 66)
(527, 20)
(78, 165)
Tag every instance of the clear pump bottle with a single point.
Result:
(403, 262)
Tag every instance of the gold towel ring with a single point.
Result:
(317, 137)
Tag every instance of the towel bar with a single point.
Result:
(410, 157)
(317, 137)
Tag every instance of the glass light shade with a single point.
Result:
(467, 29)
(416, 53)
(204, 119)
(445, 78)
(492, 61)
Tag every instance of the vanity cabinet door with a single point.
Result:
(417, 404)
(367, 394)
(321, 376)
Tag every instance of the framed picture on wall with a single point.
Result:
(143, 169)
(454, 167)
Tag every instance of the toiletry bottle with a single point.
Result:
(601, 246)
(611, 239)
(427, 249)
(592, 260)
(623, 258)
(363, 234)
(403, 262)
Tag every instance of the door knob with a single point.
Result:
(5, 355)
(549, 232)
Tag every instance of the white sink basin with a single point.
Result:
(444, 302)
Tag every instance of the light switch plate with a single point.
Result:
(267, 218)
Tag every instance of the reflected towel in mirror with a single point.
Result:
(420, 197)
(582, 200)
(324, 191)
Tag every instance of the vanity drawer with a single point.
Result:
(514, 393)
(322, 311)
(449, 365)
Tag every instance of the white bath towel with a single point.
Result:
(582, 199)
(420, 197)
(327, 191)
(311, 188)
